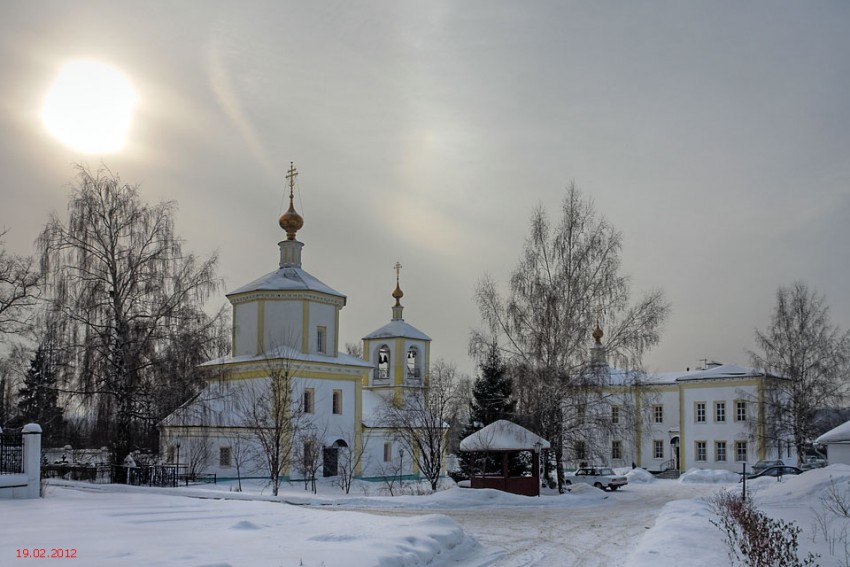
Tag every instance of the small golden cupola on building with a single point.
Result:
(399, 352)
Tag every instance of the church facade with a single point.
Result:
(286, 382)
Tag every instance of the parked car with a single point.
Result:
(774, 472)
(761, 465)
(600, 477)
(812, 462)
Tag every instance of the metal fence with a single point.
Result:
(142, 475)
(11, 453)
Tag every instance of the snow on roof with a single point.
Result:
(398, 328)
(502, 435)
(289, 278)
(219, 403)
(840, 434)
(291, 353)
(722, 371)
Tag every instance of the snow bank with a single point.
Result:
(682, 535)
(640, 476)
(709, 476)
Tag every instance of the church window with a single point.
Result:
(321, 339)
(170, 454)
(388, 452)
(701, 451)
(615, 414)
(337, 402)
(720, 412)
(580, 450)
(700, 412)
(740, 410)
(658, 449)
(225, 457)
(616, 450)
(413, 372)
(383, 363)
(309, 400)
(740, 451)
(658, 413)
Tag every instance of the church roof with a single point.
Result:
(502, 435)
(397, 328)
(289, 278)
(722, 371)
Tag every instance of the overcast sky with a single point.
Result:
(714, 135)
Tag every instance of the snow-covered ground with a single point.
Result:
(648, 523)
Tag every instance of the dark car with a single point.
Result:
(775, 472)
(763, 464)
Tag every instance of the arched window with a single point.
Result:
(383, 363)
(413, 372)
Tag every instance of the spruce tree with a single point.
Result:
(492, 400)
(38, 399)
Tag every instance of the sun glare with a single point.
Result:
(90, 107)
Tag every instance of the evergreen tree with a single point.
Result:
(492, 400)
(37, 400)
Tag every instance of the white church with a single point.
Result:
(287, 322)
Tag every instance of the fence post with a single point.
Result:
(31, 434)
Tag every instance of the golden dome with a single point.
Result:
(597, 334)
(291, 221)
(397, 293)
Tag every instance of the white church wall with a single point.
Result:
(245, 329)
(665, 432)
(282, 324)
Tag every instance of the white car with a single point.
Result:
(600, 477)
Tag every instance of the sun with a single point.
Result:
(89, 107)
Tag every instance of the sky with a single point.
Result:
(714, 136)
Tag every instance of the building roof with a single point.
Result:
(398, 328)
(840, 434)
(502, 435)
(289, 278)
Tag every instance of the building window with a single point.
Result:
(225, 456)
(700, 412)
(580, 450)
(383, 363)
(413, 372)
(309, 400)
(388, 452)
(720, 451)
(321, 339)
(658, 413)
(616, 450)
(740, 451)
(701, 451)
(740, 410)
(720, 411)
(170, 454)
(658, 449)
(310, 455)
(337, 402)
(615, 414)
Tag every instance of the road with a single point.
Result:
(599, 536)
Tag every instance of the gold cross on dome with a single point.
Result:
(291, 175)
(397, 269)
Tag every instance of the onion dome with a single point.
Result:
(291, 221)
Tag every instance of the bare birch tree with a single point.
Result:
(122, 285)
(420, 421)
(273, 411)
(20, 288)
(567, 273)
(807, 359)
